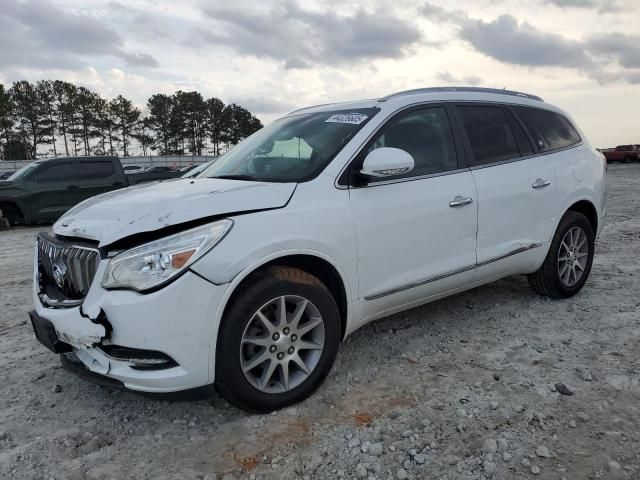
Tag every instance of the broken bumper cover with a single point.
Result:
(178, 320)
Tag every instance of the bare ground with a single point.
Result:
(460, 388)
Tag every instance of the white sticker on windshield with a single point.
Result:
(354, 118)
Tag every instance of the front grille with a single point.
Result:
(65, 270)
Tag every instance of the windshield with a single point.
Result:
(198, 169)
(291, 149)
(24, 172)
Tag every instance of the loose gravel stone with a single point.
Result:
(402, 474)
(361, 471)
(543, 452)
(490, 446)
(420, 459)
(564, 389)
(503, 445)
(354, 442)
(490, 468)
(493, 405)
(535, 469)
(375, 449)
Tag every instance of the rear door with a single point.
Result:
(97, 176)
(517, 194)
(416, 231)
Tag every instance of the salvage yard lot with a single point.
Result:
(461, 388)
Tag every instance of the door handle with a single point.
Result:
(460, 201)
(540, 183)
(72, 187)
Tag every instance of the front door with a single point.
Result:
(55, 190)
(416, 232)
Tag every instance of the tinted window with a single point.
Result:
(523, 141)
(426, 135)
(489, 133)
(92, 170)
(56, 173)
(549, 129)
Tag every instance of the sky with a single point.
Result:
(273, 56)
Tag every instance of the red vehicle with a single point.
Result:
(623, 154)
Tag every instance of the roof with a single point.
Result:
(470, 91)
(496, 91)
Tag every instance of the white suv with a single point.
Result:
(248, 276)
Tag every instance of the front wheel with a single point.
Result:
(278, 340)
(568, 263)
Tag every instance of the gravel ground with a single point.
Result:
(466, 387)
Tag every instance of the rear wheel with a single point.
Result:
(278, 340)
(568, 262)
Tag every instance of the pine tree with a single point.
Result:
(64, 94)
(193, 113)
(126, 117)
(6, 124)
(33, 127)
(215, 123)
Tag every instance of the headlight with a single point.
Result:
(154, 263)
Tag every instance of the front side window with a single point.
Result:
(549, 129)
(60, 172)
(490, 135)
(426, 135)
(291, 149)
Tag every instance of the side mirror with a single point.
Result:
(387, 162)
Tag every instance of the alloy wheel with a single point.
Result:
(282, 344)
(573, 255)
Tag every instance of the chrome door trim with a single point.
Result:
(418, 283)
(458, 271)
(511, 253)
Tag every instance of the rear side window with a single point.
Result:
(550, 130)
(426, 135)
(60, 172)
(96, 170)
(490, 135)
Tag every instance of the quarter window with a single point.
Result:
(490, 135)
(60, 172)
(549, 129)
(426, 135)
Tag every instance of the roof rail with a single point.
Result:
(497, 91)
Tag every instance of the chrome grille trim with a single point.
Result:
(74, 265)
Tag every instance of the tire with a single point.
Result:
(12, 214)
(547, 280)
(261, 388)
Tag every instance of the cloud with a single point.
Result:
(36, 33)
(522, 44)
(605, 58)
(622, 48)
(449, 79)
(299, 38)
(602, 6)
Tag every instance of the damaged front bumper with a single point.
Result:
(112, 331)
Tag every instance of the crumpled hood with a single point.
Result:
(151, 206)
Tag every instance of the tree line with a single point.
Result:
(54, 117)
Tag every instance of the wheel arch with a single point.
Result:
(13, 203)
(588, 209)
(312, 262)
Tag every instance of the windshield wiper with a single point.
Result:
(235, 177)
